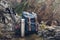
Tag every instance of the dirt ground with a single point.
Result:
(31, 37)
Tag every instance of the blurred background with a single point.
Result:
(52, 12)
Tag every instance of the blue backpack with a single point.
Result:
(30, 22)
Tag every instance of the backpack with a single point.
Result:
(30, 22)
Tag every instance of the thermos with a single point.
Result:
(22, 27)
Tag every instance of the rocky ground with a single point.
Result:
(30, 37)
